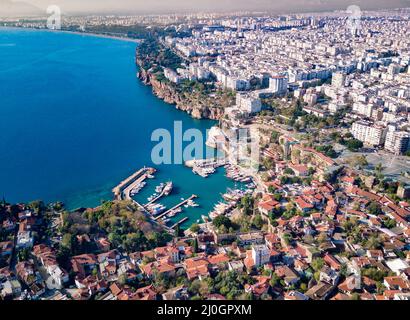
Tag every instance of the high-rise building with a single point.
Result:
(368, 133)
(363, 109)
(248, 103)
(278, 84)
(338, 79)
(397, 142)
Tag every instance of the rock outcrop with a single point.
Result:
(189, 103)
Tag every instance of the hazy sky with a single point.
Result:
(146, 6)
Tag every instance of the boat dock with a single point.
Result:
(175, 207)
(205, 167)
(156, 198)
(179, 222)
(163, 192)
(123, 189)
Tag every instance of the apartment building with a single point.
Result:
(368, 133)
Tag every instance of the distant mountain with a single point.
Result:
(10, 8)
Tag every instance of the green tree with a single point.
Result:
(317, 264)
(194, 228)
(354, 145)
(195, 246)
(374, 208)
(222, 221)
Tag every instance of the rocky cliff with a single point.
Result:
(198, 108)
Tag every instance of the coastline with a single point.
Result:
(171, 95)
(89, 34)
(91, 195)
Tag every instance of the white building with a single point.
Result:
(397, 142)
(260, 255)
(24, 240)
(237, 84)
(363, 109)
(338, 79)
(278, 84)
(248, 103)
(172, 76)
(369, 133)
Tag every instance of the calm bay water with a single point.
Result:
(75, 120)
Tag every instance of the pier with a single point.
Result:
(205, 167)
(123, 189)
(179, 222)
(156, 198)
(175, 207)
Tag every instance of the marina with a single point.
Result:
(176, 207)
(164, 189)
(234, 172)
(133, 184)
(206, 167)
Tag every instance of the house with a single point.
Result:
(320, 291)
(135, 258)
(397, 265)
(272, 241)
(295, 296)
(300, 170)
(236, 265)
(396, 283)
(329, 275)
(83, 264)
(250, 238)
(196, 267)
(288, 274)
(351, 284)
(108, 263)
(178, 293)
(169, 251)
(375, 254)
(164, 267)
(332, 262)
(47, 257)
(91, 284)
(302, 205)
(218, 261)
(267, 204)
(146, 293)
(257, 256)
(25, 271)
(260, 288)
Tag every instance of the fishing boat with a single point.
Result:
(174, 212)
(156, 209)
(213, 215)
(158, 189)
(168, 188)
(191, 203)
(138, 188)
(152, 197)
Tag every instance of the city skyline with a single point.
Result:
(37, 7)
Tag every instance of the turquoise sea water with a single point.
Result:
(75, 120)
